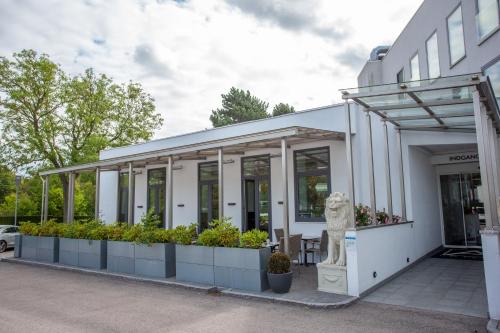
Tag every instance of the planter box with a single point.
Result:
(156, 260)
(236, 268)
(239, 268)
(120, 257)
(18, 246)
(40, 248)
(85, 253)
(195, 264)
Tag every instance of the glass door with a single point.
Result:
(156, 193)
(208, 192)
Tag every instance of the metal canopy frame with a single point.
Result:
(463, 103)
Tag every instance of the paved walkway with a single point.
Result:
(448, 285)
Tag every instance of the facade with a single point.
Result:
(416, 157)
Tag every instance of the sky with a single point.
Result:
(187, 53)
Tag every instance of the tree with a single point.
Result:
(282, 108)
(238, 106)
(51, 120)
(7, 182)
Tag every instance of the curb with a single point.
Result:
(176, 284)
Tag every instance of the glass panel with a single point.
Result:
(456, 108)
(486, 17)
(467, 121)
(406, 112)
(204, 207)
(256, 166)
(445, 94)
(388, 100)
(215, 202)
(473, 207)
(414, 68)
(209, 171)
(453, 214)
(494, 74)
(264, 205)
(433, 57)
(123, 197)
(456, 35)
(250, 204)
(312, 160)
(156, 192)
(419, 122)
(312, 193)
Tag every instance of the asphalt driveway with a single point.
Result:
(36, 299)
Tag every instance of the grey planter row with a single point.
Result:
(37, 248)
(84, 253)
(235, 268)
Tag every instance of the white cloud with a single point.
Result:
(187, 53)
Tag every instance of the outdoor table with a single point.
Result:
(308, 239)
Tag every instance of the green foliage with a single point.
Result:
(93, 229)
(253, 239)
(29, 228)
(221, 233)
(282, 108)
(51, 229)
(116, 231)
(148, 231)
(279, 263)
(238, 106)
(7, 182)
(185, 235)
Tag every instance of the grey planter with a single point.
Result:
(40, 248)
(156, 260)
(120, 257)
(68, 251)
(239, 268)
(280, 283)
(92, 253)
(18, 246)
(195, 264)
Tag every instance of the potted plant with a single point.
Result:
(40, 242)
(279, 274)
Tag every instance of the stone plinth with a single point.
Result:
(332, 278)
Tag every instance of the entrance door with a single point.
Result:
(463, 209)
(156, 193)
(208, 197)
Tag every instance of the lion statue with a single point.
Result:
(338, 214)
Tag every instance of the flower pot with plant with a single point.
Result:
(279, 274)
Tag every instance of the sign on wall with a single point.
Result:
(452, 158)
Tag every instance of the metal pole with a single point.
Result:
(71, 197)
(97, 191)
(402, 190)
(284, 180)
(46, 201)
(388, 184)
(221, 182)
(348, 149)
(371, 174)
(43, 199)
(482, 145)
(170, 198)
(131, 182)
(18, 182)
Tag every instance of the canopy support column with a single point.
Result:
(97, 192)
(220, 155)
(45, 195)
(402, 189)
(170, 205)
(131, 190)
(43, 200)
(485, 161)
(348, 149)
(371, 174)
(388, 172)
(284, 184)
(71, 198)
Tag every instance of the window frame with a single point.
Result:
(493, 31)
(199, 183)
(489, 64)
(452, 64)
(402, 72)
(427, 55)
(118, 201)
(164, 169)
(418, 67)
(296, 176)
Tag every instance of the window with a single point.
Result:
(456, 41)
(123, 197)
(432, 57)
(156, 193)
(414, 68)
(487, 17)
(312, 183)
(493, 71)
(208, 193)
(400, 77)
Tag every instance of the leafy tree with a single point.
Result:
(51, 120)
(7, 182)
(238, 106)
(282, 108)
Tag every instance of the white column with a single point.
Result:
(46, 200)
(348, 149)
(371, 174)
(170, 198)
(131, 190)
(71, 197)
(284, 180)
(97, 192)
(43, 200)
(402, 190)
(387, 172)
(221, 182)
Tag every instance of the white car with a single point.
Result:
(7, 236)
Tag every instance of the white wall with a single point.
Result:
(108, 198)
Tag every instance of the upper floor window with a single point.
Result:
(432, 57)
(400, 77)
(493, 71)
(456, 36)
(414, 68)
(487, 17)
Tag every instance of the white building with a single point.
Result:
(434, 157)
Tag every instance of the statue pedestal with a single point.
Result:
(332, 278)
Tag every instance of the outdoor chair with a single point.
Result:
(295, 242)
(320, 249)
(279, 234)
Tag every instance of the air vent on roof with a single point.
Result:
(379, 52)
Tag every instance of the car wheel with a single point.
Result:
(3, 246)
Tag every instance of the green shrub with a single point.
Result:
(51, 229)
(279, 263)
(148, 231)
(221, 233)
(184, 234)
(253, 239)
(92, 229)
(29, 228)
(116, 230)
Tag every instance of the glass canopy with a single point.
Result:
(444, 103)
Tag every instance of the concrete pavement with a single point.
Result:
(46, 300)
